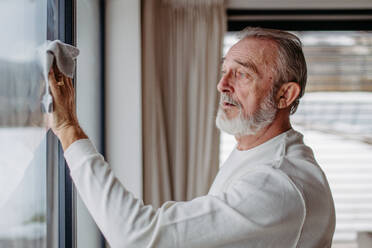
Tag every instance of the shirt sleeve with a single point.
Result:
(262, 210)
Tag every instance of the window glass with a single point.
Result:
(335, 116)
(23, 25)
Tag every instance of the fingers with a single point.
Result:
(68, 82)
(56, 71)
(60, 88)
(53, 84)
(67, 85)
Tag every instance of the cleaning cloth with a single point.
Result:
(64, 56)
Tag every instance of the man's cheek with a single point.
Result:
(250, 106)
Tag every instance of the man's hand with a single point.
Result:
(63, 121)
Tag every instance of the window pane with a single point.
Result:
(22, 129)
(335, 116)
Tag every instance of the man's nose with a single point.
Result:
(225, 84)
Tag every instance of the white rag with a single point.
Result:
(64, 55)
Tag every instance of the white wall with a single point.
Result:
(123, 91)
(123, 95)
(88, 87)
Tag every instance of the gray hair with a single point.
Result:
(290, 63)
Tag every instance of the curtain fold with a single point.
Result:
(182, 48)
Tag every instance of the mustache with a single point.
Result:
(227, 98)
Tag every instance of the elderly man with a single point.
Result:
(270, 191)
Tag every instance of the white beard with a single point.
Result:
(248, 125)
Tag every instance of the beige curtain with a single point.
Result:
(182, 49)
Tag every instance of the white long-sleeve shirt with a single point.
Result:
(274, 195)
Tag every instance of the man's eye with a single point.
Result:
(243, 75)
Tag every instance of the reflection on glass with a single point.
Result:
(23, 25)
(335, 116)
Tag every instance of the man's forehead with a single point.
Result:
(245, 62)
(251, 51)
(256, 44)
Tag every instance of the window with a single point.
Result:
(335, 116)
(36, 196)
(23, 188)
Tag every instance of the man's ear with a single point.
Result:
(287, 94)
